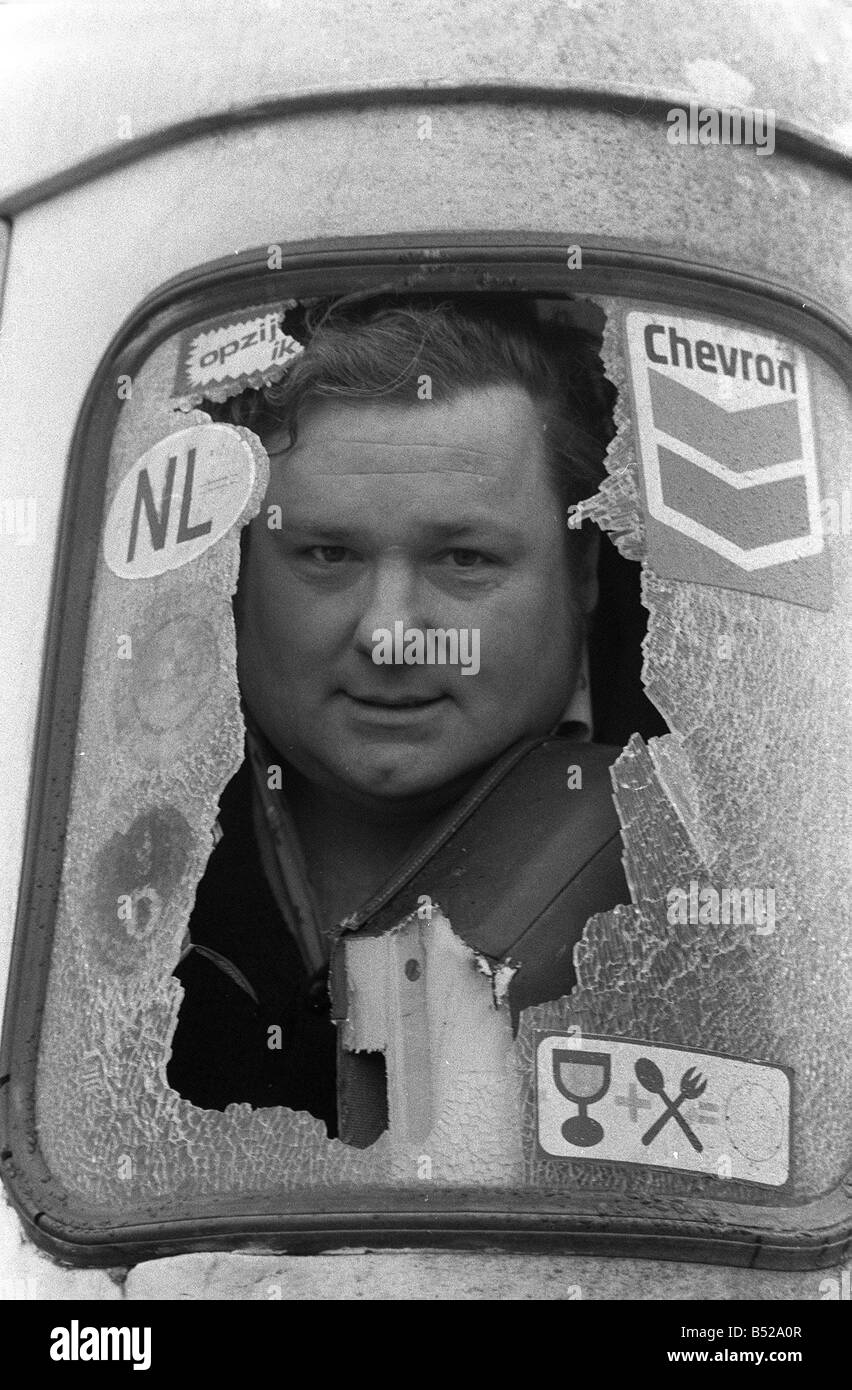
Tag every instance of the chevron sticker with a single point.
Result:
(725, 435)
(742, 441)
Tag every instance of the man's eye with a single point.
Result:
(467, 559)
(328, 554)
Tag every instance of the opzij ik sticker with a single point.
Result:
(223, 356)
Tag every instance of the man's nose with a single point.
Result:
(392, 596)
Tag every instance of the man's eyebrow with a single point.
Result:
(467, 526)
(315, 526)
(445, 530)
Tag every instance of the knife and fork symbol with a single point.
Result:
(692, 1085)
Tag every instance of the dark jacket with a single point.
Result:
(244, 980)
(518, 865)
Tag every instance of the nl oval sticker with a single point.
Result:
(177, 500)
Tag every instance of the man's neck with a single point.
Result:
(350, 848)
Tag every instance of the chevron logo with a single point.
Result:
(725, 433)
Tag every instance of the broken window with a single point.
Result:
(694, 1056)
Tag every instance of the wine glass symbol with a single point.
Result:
(584, 1078)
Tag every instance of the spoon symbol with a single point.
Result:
(692, 1085)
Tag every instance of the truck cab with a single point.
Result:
(680, 194)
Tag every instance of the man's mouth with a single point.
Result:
(394, 701)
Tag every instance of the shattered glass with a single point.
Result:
(750, 786)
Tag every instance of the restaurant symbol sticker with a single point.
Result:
(725, 434)
(629, 1102)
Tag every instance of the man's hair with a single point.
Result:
(382, 347)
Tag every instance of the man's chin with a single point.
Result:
(398, 782)
(407, 781)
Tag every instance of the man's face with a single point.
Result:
(426, 514)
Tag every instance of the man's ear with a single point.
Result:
(587, 577)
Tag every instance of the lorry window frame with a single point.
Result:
(810, 1236)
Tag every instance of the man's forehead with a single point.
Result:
(487, 433)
